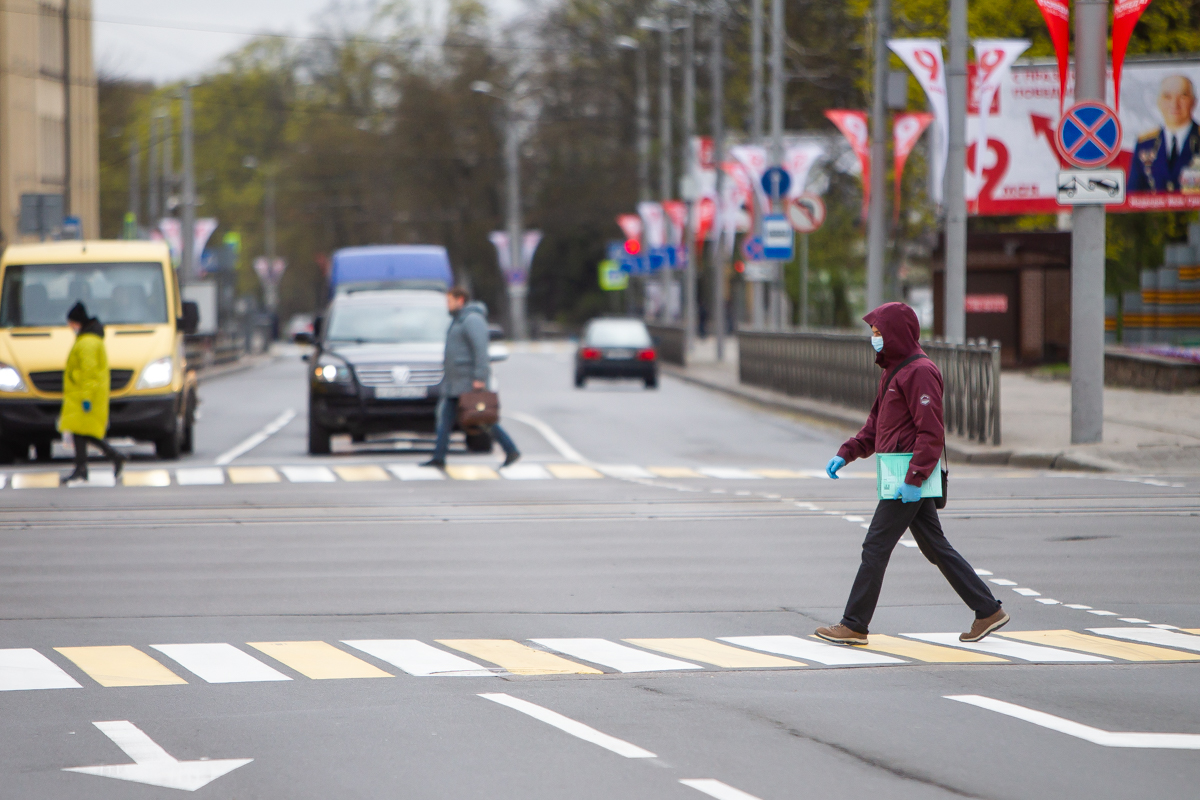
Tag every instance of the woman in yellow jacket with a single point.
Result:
(85, 394)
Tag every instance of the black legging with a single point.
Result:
(81, 451)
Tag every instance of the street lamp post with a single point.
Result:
(716, 64)
(689, 130)
(517, 292)
(643, 114)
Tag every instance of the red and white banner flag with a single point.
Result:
(993, 61)
(1058, 19)
(799, 161)
(676, 211)
(924, 58)
(906, 131)
(654, 225)
(853, 125)
(754, 160)
(1125, 16)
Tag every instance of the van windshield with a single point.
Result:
(388, 324)
(37, 295)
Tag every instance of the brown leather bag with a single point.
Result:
(479, 409)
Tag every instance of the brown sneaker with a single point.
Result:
(840, 634)
(982, 627)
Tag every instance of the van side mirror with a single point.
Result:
(190, 321)
(318, 324)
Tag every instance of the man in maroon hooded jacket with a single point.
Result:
(906, 418)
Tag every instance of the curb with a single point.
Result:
(957, 450)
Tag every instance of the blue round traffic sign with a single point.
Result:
(769, 179)
(1089, 134)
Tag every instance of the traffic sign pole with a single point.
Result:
(1087, 244)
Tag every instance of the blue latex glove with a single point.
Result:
(908, 493)
(87, 405)
(835, 463)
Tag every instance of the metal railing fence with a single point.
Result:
(840, 368)
(668, 340)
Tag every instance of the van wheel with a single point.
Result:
(479, 442)
(44, 450)
(189, 426)
(318, 439)
(170, 445)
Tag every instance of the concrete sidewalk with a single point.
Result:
(1144, 431)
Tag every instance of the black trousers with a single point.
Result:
(892, 518)
(81, 451)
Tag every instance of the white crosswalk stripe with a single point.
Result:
(809, 650)
(616, 656)
(417, 658)
(1005, 647)
(23, 668)
(220, 663)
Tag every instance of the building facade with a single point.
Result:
(48, 111)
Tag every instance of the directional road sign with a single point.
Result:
(806, 212)
(1089, 134)
(769, 179)
(777, 237)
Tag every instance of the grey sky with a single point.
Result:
(149, 39)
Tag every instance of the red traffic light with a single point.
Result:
(633, 247)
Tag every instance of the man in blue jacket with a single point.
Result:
(906, 418)
(466, 367)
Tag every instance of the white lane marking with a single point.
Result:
(220, 663)
(568, 725)
(1002, 582)
(834, 655)
(551, 436)
(1164, 627)
(983, 572)
(418, 658)
(308, 474)
(1046, 601)
(1077, 606)
(415, 472)
(1100, 613)
(852, 518)
(525, 472)
(729, 474)
(1027, 592)
(1135, 620)
(26, 668)
(3, 480)
(907, 542)
(200, 476)
(714, 788)
(1153, 636)
(155, 766)
(624, 471)
(273, 427)
(1007, 647)
(617, 656)
(1162, 741)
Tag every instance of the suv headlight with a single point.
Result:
(10, 379)
(157, 374)
(331, 370)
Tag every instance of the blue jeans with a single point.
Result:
(447, 413)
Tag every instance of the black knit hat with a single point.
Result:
(78, 313)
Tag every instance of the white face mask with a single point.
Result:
(877, 343)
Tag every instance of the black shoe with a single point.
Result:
(118, 467)
(433, 462)
(510, 459)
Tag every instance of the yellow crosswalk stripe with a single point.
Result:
(365, 472)
(715, 653)
(1191, 630)
(146, 477)
(252, 475)
(319, 660)
(472, 472)
(36, 480)
(1099, 646)
(572, 471)
(675, 472)
(929, 653)
(517, 658)
(779, 473)
(120, 665)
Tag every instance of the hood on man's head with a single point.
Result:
(900, 329)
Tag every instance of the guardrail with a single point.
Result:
(668, 340)
(840, 368)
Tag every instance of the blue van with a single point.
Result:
(391, 266)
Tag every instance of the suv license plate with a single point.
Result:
(619, 354)
(399, 392)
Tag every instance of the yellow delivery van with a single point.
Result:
(131, 287)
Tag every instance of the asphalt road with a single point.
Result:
(296, 612)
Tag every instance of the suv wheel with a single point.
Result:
(318, 439)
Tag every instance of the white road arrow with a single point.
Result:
(153, 765)
(1162, 741)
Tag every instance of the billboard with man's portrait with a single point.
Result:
(1160, 146)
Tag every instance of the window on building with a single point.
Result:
(51, 155)
(50, 40)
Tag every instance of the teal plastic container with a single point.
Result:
(892, 468)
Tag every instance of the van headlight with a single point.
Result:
(157, 374)
(10, 379)
(331, 370)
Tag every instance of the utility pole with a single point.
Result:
(135, 178)
(643, 125)
(756, 71)
(664, 144)
(689, 130)
(1087, 244)
(153, 205)
(777, 87)
(188, 216)
(269, 237)
(877, 222)
(166, 130)
(955, 284)
(66, 86)
(512, 167)
(716, 59)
